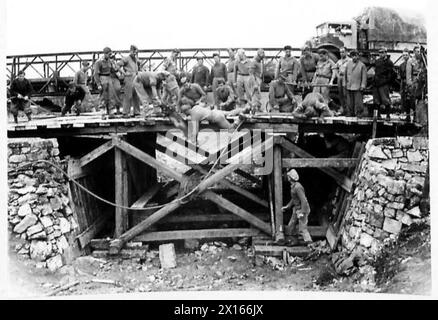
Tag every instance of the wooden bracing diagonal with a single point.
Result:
(96, 153)
(342, 180)
(201, 190)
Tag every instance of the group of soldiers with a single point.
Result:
(236, 88)
(236, 85)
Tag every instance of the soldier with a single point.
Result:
(20, 91)
(414, 69)
(218, 72)
(191, 93)
(308, 62)
(288, 67)
(406, 100)
(147, 85)
(130, 66)
(281, 98)
(81, 79)
(355, 79)
(300, 208)
(255, 80)
(200, 74)
(230, 69)
(199, 112)
(324, 75)
(312, 106)
(74, 98)
(241, 74)
(169, 63)
(104, 73)
(384, 73)
(225, 95)
(340, 66)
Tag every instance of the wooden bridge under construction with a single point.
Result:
(117, 159)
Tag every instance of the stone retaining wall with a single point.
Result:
(387, 194)
(38, 204)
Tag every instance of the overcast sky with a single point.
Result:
(45, 26)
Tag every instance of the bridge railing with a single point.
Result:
(51, 72)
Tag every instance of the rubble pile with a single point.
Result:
(387, 195)
(38, 204)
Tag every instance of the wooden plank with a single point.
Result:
(228, 184)
(319, 162)
(121, 192)
(277, 251)
(197, 234)
(117, 244)
(75, 171)
(278, 192)
(96, 153)
(340, 179)
(144, 199)
(86, 236)
(228, 205)
(144, 157)
(247, 176)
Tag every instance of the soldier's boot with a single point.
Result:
(16, 119)
(29, 117)
(306, 236)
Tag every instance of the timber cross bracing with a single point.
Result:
(217, 176)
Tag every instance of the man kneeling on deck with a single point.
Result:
(200, 112)
(300, 208)
(312, 106)
(148, 85)
(73, 99)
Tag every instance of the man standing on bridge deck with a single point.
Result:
(218, 72)
(300, 208)
(169, 63)
(255, 81)
(103, 70)
(231, 79)
(355, 79)
(147, 85)
(129, 66)
(81, 80)
(324, 75)
(308, 62)
(241, 74)
(406, 101)
(340, 67)
(20, 91)
(200, 74)
(288, 67)
(281, 98)
(384, 74)
(414, 68)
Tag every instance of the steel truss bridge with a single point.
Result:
(51, 72)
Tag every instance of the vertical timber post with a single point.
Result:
(278, 193)
(121, 192)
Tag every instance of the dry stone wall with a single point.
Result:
(387, 195)
(39, 209)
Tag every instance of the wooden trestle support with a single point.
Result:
(247, 148)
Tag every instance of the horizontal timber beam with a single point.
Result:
(197, 234)
(319, 162)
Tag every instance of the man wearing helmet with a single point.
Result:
(300, 207)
